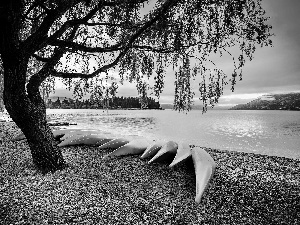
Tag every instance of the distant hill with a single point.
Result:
(166, 106)
(170, 106)
(194, 107)
(289, 101)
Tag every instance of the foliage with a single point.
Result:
(96, 41)
(114, 103)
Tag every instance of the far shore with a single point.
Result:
(247, 188)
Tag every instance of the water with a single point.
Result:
(264, 132)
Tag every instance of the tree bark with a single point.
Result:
(28, 111)
(1, 91)
(25, 107)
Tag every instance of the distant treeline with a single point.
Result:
(111, 103)
(289, 101)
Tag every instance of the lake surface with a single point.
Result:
(263, 132)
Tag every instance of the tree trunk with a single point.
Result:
(1, 90)
(28, 111)
(25, 107)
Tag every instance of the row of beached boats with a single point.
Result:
(156, 150)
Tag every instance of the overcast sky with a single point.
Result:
(273, 70)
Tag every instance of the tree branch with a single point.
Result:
(42, 59)
(153, 49)
(79, 47)
(123, 25)
(37, 79)
(164, 8)
(121, 2)
(69, 23)
(40, 39)
(34, 41)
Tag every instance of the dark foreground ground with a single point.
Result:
(246, 189)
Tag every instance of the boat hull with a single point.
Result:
(204, 169)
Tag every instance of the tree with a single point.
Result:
(101, 95)
(88, 39)
(57, 103)
(1, 88)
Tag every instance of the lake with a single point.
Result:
(263, 132)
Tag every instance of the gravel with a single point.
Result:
(246, 189)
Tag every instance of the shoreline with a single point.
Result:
(247, 188)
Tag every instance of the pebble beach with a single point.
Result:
(247, 188)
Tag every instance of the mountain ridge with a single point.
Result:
(289, 101)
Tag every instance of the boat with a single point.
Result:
(134, 147)
(204, 169)
(183, 154)
(86, 139)
(153, 148)
(168, 151)
(114, 144)
(75, 132)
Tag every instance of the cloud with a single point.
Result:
(127, 90)
(62, 92)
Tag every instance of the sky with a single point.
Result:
(273, 70)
